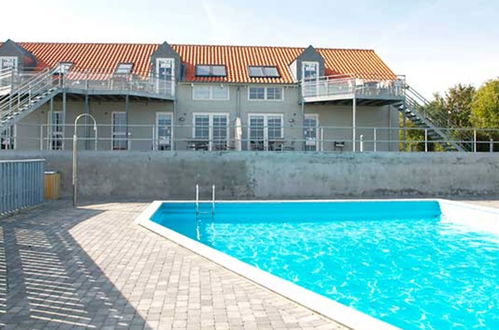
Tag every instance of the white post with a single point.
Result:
(374, 137)
(491, 147)
(425, 140)
(361, 141)
(474, 140)
(322, 139)
(41, 137)
(354, 110)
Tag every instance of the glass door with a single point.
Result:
(55, 130)
(119, 131)
(310, 132)
(165, 72)
(7, 138)
(163, 131)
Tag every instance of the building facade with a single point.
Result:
(191, 97)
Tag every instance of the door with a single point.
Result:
(6, 63)
(8, 138)
(55, 130)
(210, 132)
(163, 131)
(119, 131)
(165, 72)
(266, 132)
(310, 132)
(310, 77)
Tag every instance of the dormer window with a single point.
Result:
(203, 70)
(124, 68)
(263, 72)
(8, 62)
(63, 68)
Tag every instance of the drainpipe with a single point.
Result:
(354, 110)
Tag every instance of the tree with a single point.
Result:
(454, 108)
(485, 113)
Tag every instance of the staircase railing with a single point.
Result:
(26, 94)
(420, 105)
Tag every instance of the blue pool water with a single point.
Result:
(394, 260)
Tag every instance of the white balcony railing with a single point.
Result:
(343, 86)
(95, 80)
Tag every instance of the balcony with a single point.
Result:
(94, 82)
(342, 89)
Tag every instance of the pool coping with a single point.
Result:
(322, 305)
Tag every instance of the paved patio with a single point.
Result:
(92, 267)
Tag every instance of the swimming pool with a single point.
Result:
(405, 262)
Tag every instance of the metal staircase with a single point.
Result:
(27, 97)
(415, 108)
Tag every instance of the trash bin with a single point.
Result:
(52, 185)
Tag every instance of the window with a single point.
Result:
(124, 68)
(210, 131)
(8, 62)
(63, 68)
(211, 70)
(263, 72)
(165, 76)
(119, 131)
(310, 76)
(56, 132)
(8, 138)
(163, 131)
(266, 132)
(265, 93)
(210, 92)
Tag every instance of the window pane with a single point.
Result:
(274, 93)
(220, 93)
(219, 71)
(255, 71)
(257, 93)
(219, 132)
(202, 70)
(256, 127)
(124, 68)
(202, 92)
(201, 126)
(274, 124)
(120, 141)
(270, 71)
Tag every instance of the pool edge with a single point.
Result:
(324, 306)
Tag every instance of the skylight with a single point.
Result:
(263, 72)
(124, 68)
(211, 71)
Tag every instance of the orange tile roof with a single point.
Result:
(361, 63)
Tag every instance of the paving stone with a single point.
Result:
(94, 267)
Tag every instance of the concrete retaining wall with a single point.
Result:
(248, 175)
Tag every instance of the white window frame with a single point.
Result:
(51, 132)
(125, 134)
(211, 86)
(171, 60)
(317, 64)
(15, 58)
(316, 145)
(156, 127)
(63, 67)
(12, 136)
(265, 98)
(210, 125)
(265, 127)
(119, 66)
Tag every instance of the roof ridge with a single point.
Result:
(193, 45)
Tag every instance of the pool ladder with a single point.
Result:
(212, 201)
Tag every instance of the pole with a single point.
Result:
(375, 136)
(75, 178)
(354, 110)
(425, 140)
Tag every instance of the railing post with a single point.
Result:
(491, 146)
(361, 141)
(374, 138)
(41, 137)
(322, 139)
(425, 140)
(474, 140)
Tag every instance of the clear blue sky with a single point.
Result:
(435, 43)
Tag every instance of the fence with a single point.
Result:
(21, 184)
(223, 135)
